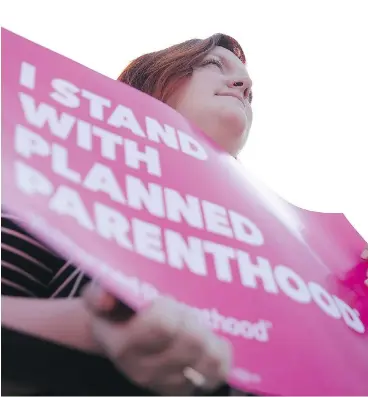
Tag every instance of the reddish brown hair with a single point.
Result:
(157, 73)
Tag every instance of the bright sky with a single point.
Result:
(308, 60)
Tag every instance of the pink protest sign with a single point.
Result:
(141, 199)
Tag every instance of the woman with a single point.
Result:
(161, 349)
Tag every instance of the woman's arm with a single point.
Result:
(62, 321)
(29, 271)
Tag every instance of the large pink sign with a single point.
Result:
(143, 200)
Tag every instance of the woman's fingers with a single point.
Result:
(186, 349)
(162, 348)
(103, 304)
(202, 372)
(215, 362)
(195, 358)
(97, 299)
(154, 329)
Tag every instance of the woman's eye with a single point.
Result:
(213, 62)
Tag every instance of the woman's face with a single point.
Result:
(216, 99)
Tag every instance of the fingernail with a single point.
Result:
(96, 291)
(100, 299)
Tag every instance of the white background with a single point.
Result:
(308, 61)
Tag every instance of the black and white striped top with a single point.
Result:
(30, 269)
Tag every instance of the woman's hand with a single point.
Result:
(163, 348)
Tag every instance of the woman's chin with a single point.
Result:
(234, 122)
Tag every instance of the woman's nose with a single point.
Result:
(242, 83)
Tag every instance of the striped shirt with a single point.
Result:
(30, 269)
